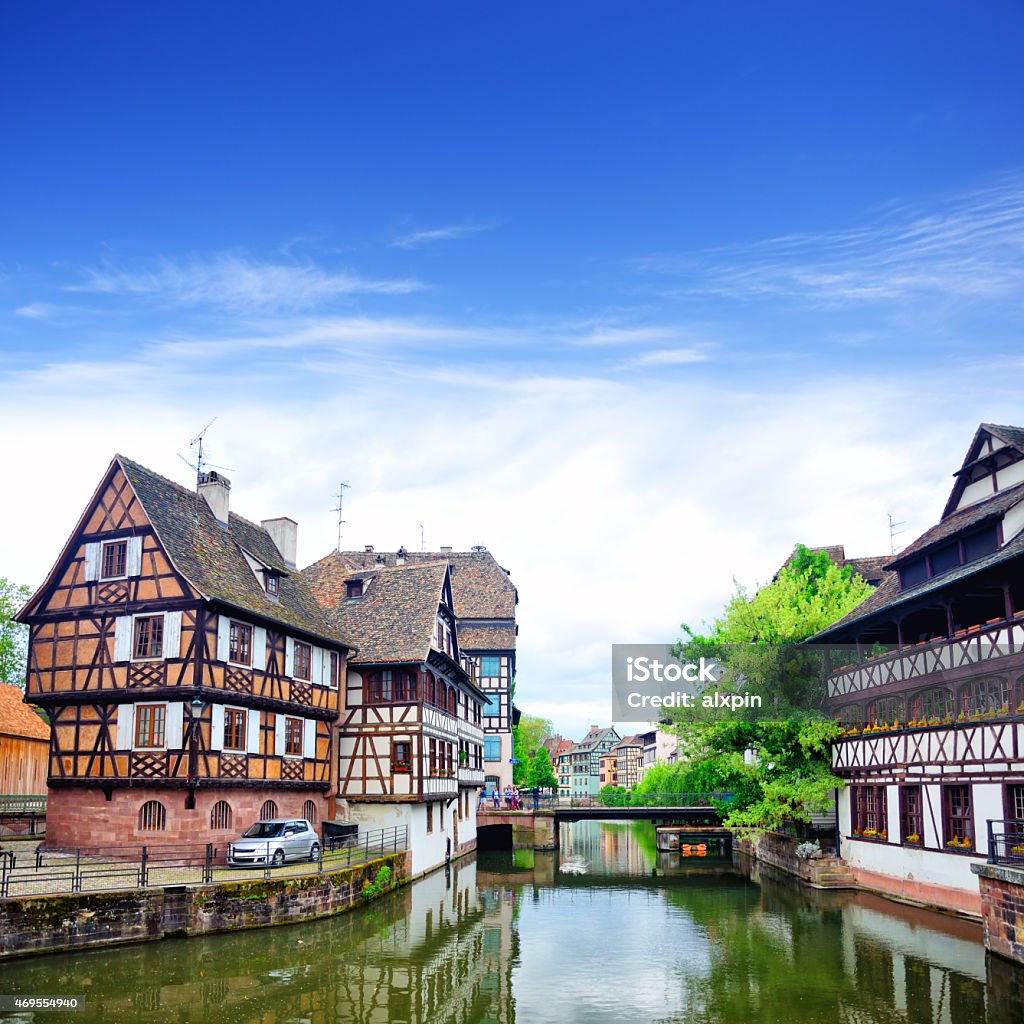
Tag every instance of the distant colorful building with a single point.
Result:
(24, 746)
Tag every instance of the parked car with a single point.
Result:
(274, 841)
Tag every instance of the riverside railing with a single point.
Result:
(157, 866)
(1006, 841)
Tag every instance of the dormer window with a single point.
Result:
(272, 582)
(354, 588)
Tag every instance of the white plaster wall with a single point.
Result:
(987, 803)
(975, 492)
(428, 850)
(1013, 521)
(931, 798)
(1010, 475)
(929, 866)
(892, 811)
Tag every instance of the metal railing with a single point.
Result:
(144, 867)
(1006, 841)
(626, 799)
(19, 803)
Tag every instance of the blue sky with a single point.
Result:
(638, 297)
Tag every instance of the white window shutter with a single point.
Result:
(223, 637)
(289, 657)
(279, 735)
(175, 720)
(134, 560)
(316, 666)
(259, 647)
(92, 561)
(217, 729)
(309, 738)
(123, 638)
(172, 635)
(125, 725)
(252, 731)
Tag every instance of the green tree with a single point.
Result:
(540, 772)
(527, 736)
(13, 635)
(777, 770)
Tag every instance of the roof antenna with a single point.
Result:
(894, 533)
(423, 544)
(341, 522)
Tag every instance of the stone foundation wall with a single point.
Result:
(84, 817)
(58, 923)
(780, 852)
(1002, 909)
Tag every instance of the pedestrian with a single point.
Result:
(497, 799)
(536, 798)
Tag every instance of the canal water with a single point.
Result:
(605, 930)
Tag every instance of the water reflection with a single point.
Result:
(638, 935)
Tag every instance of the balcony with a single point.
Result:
(980, 647)
(440, 785)
(470, 776)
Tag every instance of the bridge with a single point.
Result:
(538, 829)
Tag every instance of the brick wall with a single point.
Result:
(84, 817)
(1002, 909)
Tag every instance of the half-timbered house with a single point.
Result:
(411, 739)
(485, 602)
(191, 680)
(930, 687)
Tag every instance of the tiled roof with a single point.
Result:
(210, 557)
(957, 522)
(393, 622)
(1013, 436)
(17, 718)
(871, 568)
(497, 637)
(481, 588)
(889, 596)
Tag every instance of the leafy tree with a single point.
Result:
(540, 772)
(527, 736)
(777, 770)
(13, 635)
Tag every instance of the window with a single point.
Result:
(492, 709)
(149, 636)
(333, 670)
(240, 644)
(303, 661)
(293, 737)
(932, 706)
(911, 816)
(981, 696)
(490, 665)
(957, 818)
(234, 729)
(354, 588)
(309, 812)
(433, 756)
(849, 716)
(869, 812)
(1015, 802)
(152, 817)
(220, 816)
(271, 582)
(150, 725)
(430, 818)
(401, 756)
(268, 810)
(114, 560)
(885, 710)
(492, 748)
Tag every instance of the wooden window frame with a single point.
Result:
(496, 658)
(144, 627)
(121, 559)
(401, 757)
(333, 670)
(1011, 790)
(302, 660)
(912, 819)
(353, 589)
(957, 823)
(293, 728)
(430, 819)
(234, 731)
(150, 731)
(240, 635)
(272, 583)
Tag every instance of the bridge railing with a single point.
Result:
(631, 799)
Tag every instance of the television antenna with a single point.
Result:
(198, 461)
(337, 508)
(894, 533)
(423, 543)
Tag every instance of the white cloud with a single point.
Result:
(34, 311)
(673, 356)
(447, 233)
(238, 282)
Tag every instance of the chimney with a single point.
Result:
(445, 551)
(369, 549)
(215, 489)
(400, 556)
(284, 532)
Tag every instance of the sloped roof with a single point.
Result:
(393, 622)
(871, 568)
(17, 718)
(481, 588)
(491, 637)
